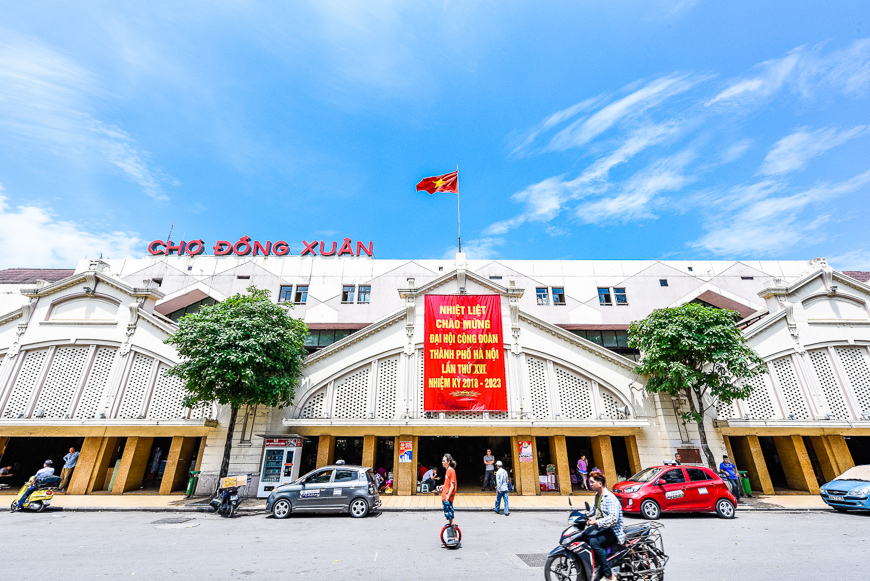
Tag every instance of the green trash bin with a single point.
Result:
(194, 480)
(744, 481)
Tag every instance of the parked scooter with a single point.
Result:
(640, 557)
(39, 498)
(226, 499)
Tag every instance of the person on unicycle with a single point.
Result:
(448, 490)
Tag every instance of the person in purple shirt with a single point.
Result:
(731, 470)
(582, 472)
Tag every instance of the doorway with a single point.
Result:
(578, 446)
(27, 455)
(468, 451)
(620, 459)
(350, 450)
(773, 462)
(859, 447)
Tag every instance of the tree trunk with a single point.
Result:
(228, 445)
(702, 433)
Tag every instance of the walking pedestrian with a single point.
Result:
(731, 471)
(583, 472)
(69, 463)
(448, 490)
(502, 487)
(489, 470)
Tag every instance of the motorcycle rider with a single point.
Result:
(46, 471)
(607, 514)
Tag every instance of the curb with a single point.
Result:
(253, 510)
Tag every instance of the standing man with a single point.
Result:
(448, 490)
(677, 459)
(731, 471)
(489, 464)
(610, 524)
(69, 463)
(502, 487)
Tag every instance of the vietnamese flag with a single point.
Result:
(449, 182)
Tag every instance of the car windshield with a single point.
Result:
(647, 475)
(856, 473)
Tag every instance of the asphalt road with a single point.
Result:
(399, 546)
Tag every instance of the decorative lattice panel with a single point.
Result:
(575, 395)
(854, 361)
(760, 403)
(167, 403)
(385, 407)
(725, 411)
(137, 387)
(474, 415)
(791, 391)
(62, 381)
(537, 371)
(200, 412)
(98, 377)
(610, 405)
(315, 407)
(25, 383)
(351, 395)
(828, 382)
(420, 405)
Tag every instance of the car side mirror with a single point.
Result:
(661, 482)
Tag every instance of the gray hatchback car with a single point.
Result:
(339, 488)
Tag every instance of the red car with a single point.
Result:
(675, 489)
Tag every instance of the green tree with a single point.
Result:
(697, 352)
(245, 350)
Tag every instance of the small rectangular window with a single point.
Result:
(313, 337)
(159, 281)
(558, 296)
(621, 299)
(341, 334)
(609, 338)
(285, 293)
(243, 276)
(594, 336)
(747, 278)
(301, 294)
(495, 278)
(364, 294)
(663, 282)
(604, 296)
(347, 294)
(327, 337)
(622, 338)
(690, 269)
(543, 296)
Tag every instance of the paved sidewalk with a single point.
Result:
(177, 502)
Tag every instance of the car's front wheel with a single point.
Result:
(725, 508)
(358, 508)
(281, 508)
(650, 510)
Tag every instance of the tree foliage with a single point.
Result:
(245, 350)
(698, 352)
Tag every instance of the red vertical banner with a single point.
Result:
(464, 354)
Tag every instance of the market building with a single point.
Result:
(82, 362)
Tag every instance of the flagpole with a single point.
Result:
(458, 219)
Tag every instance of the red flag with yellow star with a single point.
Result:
(449, 182)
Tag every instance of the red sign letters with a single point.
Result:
(246, 247)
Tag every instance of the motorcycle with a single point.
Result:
(39, 498)
(226, 498)
(640, 557)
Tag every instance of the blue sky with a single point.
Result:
(681, 129)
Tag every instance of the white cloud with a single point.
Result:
(32, 237)
(736, 150)
(770, 78)
(44, 100)
(858, 259)
(477, 249)
(792, 152)
(640, 195)
(753, 222)
(551, 121)
(653, 93)
(805, 70)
